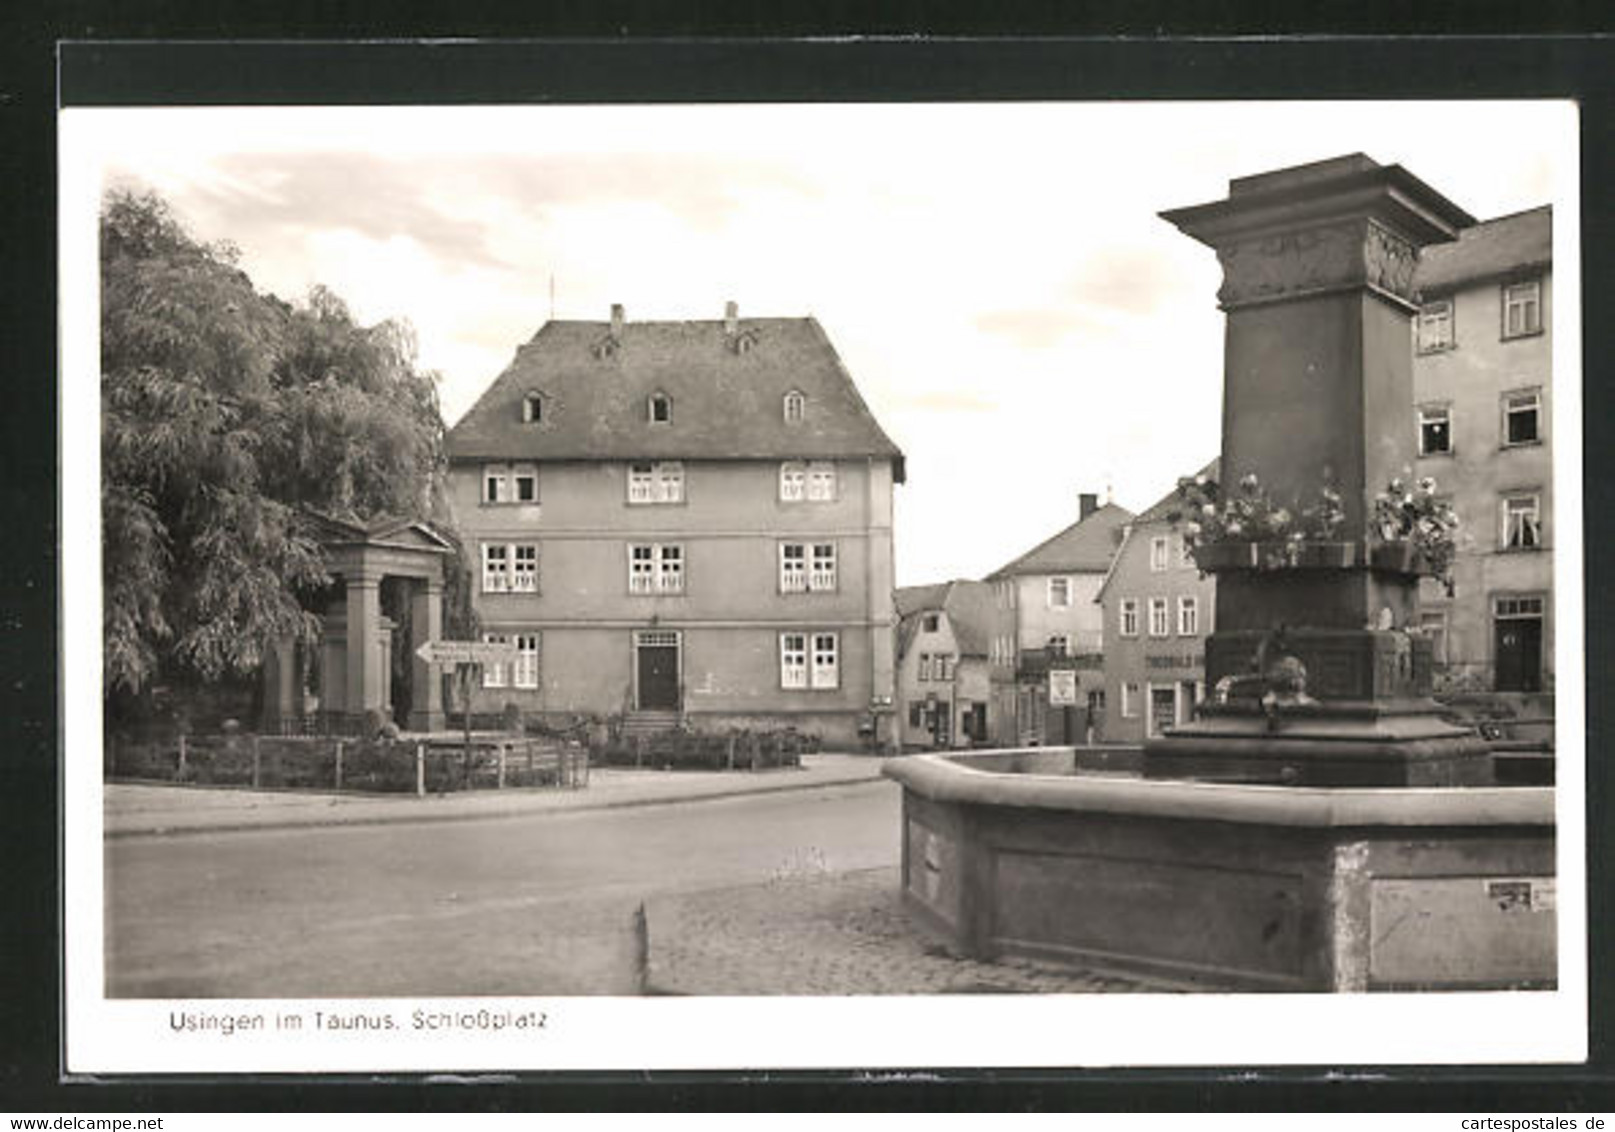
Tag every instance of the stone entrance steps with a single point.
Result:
(648, 723)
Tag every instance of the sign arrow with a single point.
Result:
(466, 652)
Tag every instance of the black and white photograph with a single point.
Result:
(822, 584)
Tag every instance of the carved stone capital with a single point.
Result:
(1390, 261)
(1347, 255)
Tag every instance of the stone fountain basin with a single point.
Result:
(1230, 886)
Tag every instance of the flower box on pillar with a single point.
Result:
(1317, 677)
(1395, 558)
(1293, 555)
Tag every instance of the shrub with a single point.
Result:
(512, 718)
(742, 748)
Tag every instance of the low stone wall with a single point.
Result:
(1233, 886)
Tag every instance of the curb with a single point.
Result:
(332, 821)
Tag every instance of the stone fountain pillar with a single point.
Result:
(1322, 684)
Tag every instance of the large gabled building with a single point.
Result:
(686, 522)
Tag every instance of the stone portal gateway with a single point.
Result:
(356, 639)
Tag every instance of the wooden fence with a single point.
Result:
(323, 763)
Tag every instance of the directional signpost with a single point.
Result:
(466, 656)
(466, 652)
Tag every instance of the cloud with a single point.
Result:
(705, 191)
(460, 209)
(266, 195)
(1039, 328)
(1136, 282)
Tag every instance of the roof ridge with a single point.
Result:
(1061, 533)
(728, 398)
(1518, 212)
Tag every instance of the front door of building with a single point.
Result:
(1517, 644)
(1163, 708)
(941, 724)
(658, 671)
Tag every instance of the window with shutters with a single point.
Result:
(524, 572)
(655, 568)
(821, 482)
(1188, 615)
(1435, 330)
(793, 666)
(1522, 309)
(494, 674)
(659, 481)
(1522, 418)
(1435, 430)
(1128, 617)
(1522, 521)
(525, 673)
(1160, 618)
(495, 568)
(826, 660)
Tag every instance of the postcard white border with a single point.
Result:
(108, 1036)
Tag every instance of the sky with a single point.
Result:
(994, 276)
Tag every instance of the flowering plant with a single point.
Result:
(1251, 515)
(1411, 513)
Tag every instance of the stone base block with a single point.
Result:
(1340, 664)
(1326, 746)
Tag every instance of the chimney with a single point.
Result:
(616, 319)
(1087, 504)
(731, 317)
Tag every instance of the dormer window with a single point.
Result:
(605, 347)
(795, 406)
(660, 409)
(533, 408)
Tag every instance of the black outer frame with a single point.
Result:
(107, 73)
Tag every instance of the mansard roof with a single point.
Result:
(727, 381)
(1492, 249)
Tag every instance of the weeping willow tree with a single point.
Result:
(226, 415)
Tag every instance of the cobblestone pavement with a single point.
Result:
(808, 932)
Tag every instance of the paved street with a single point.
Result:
(535, 905)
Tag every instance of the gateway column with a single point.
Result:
(426, 685)
(366, 673)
